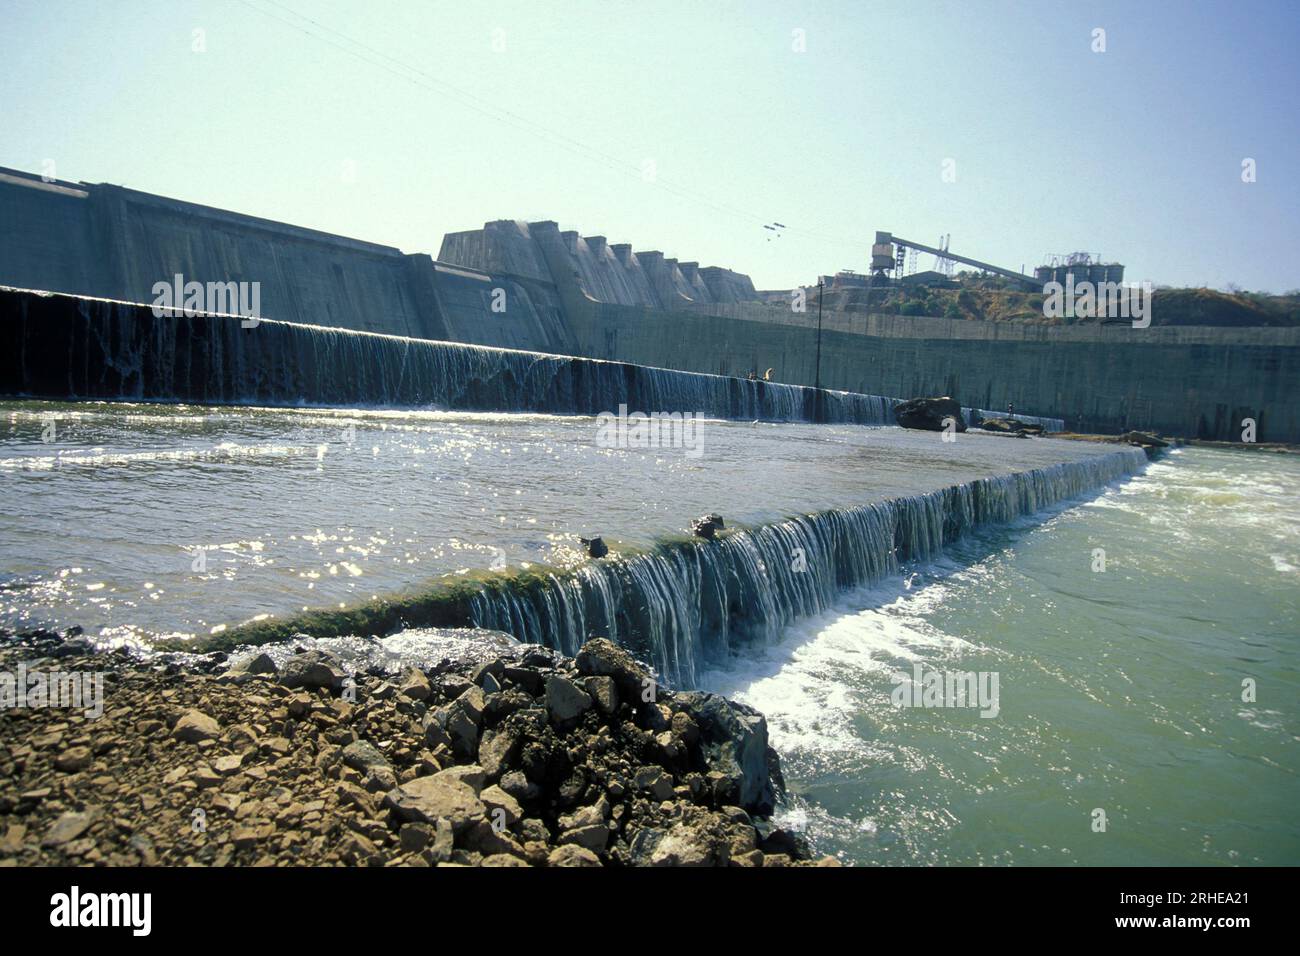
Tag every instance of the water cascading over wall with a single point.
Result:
(687, 605)
(58, 346)
(975, 415)
(583, 296)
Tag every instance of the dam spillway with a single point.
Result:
(59, 346)
(585, 296)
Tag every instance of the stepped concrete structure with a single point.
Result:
(600, 271)
(116, 243)
(533, 286)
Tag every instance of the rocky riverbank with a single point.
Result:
(520, 758)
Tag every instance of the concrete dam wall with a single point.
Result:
(61, 346)
(596, 270)
(531, 286)
(110, 242)
(1190, 381)
(1178, 381)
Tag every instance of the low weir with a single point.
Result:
(681, 604)
(686, 605)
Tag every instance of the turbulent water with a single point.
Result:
(683, 607)
(1119, 691)
(108, 505)
(851, 555)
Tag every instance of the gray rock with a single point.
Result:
(572, 855)
(602, 658)
(255, 664)
(687, 843)
(495, 668)
(496, 750)
(453, 685)
(736, 815)
(586, 816)
(470, 774)
(364, 756)
(686, 729)
(537, 655)
(144, 847)
(519, 787)
(930, 414)
(1144, 440)
(687, 846)
(707, 526)
(786, 843)
(414, 837)
(532, 721)
(380, 779)
(604, 691)
(1010, 426)
(565, 700)
(461, 719)
(494, 798)
(504, 703)
(526, 677)
(471, 704)
(313, 669)
(534, 830)
(429, 799)
(415, 685)
(434, 734)
(642, 843)
(655, 780)
(68, 827)
(592, 837)
(443, 841)
(195, 726)
(733, 742)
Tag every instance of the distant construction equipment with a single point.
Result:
(888, 252)
(889, 256)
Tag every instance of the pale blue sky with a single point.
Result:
(1134, 153)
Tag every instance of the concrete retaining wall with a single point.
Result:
(530, 286)
(110, 242)
(1193, 383)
